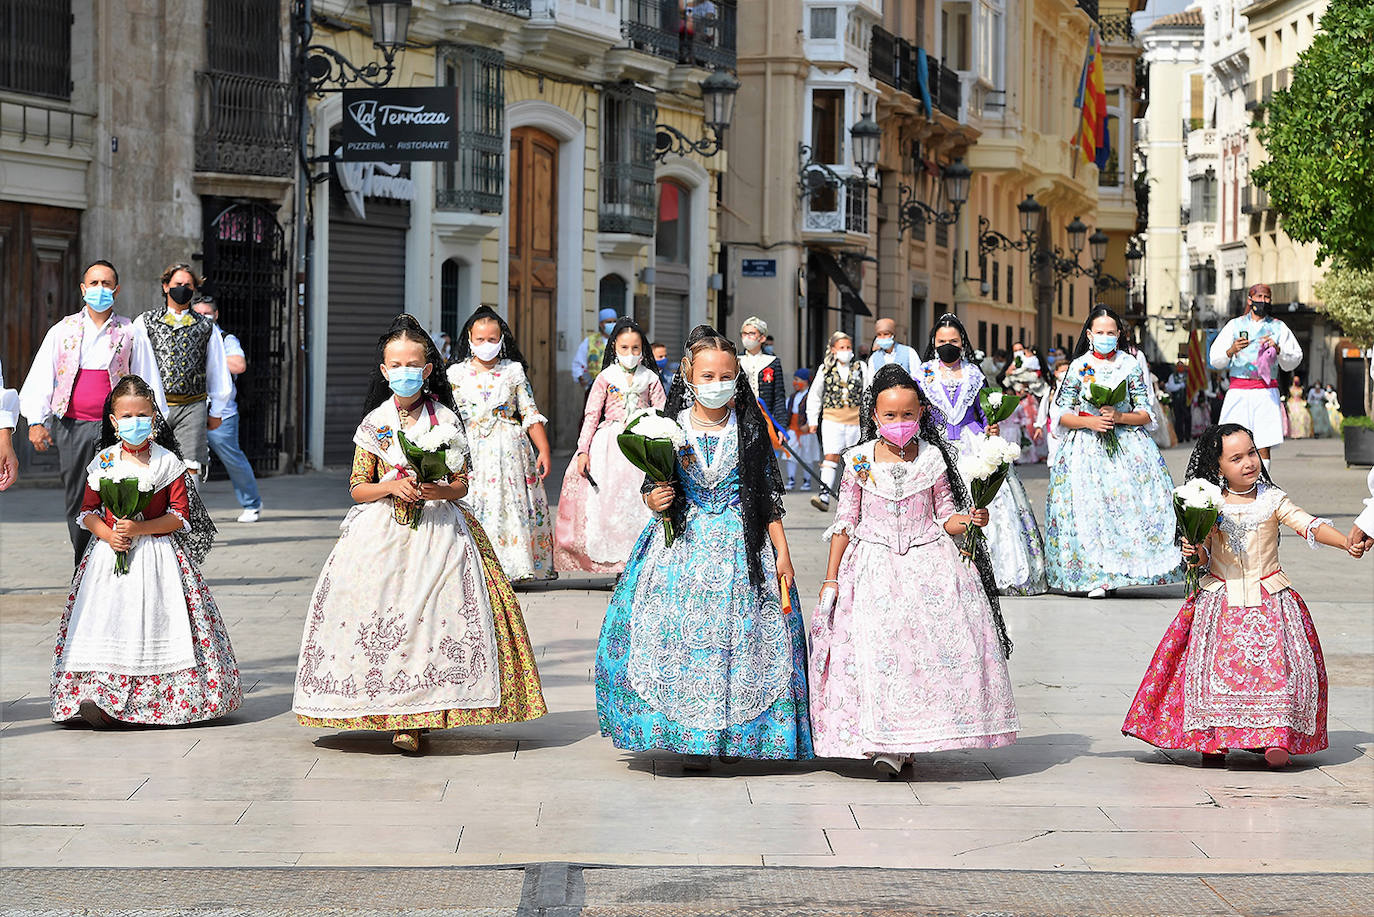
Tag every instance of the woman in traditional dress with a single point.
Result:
(1299, 417)
(600, 511)
(951, 380)
(908, 648)
(1240, 667)
(149, 645)
(703, 650)
(1109, 517)
(1321, 418)
(1333, 410)
(413, 624)
(832, 407)
(506, 489)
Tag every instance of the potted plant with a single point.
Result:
(1358, 433)
(1347, 293)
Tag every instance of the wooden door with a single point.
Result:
(532, 303)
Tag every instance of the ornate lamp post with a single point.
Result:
(718, 95)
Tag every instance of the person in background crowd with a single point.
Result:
(800, 437)
(224, 439)
(445, 346)
(75, 369)
(9, 417)
(1252, 349)
(1299, 417)
(590, 353)
(886, 350)
(832, 407)
(768, 345)
(1177, 387)
(190, 359)
(1316, 405)
(764, 372)
(665, 372)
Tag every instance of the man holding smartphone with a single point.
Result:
(1252, 349)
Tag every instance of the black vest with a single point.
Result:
(181, 352)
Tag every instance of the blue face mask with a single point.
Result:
(886, 343)
(662, 364)
(406, 380)
(99, 298)
(1104, 343)
(135, 430)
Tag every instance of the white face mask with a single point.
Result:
(487, 350)
(751, 342)
(714, 394)
(844, 356)
(628, 361)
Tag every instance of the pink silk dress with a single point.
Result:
(597, 527)
(908, 660)
(1240, 667)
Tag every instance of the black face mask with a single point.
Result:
(1261, 309)
(949, 353)
(181, 293)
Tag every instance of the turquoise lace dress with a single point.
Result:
(692, 658)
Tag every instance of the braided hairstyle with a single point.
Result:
(646, 351)
(950, 320)
(510, 350)
(202, 535)
(406, 327)
(760, 487)
(932, 433)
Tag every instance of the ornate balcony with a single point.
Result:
(243, 125)
(652, 26)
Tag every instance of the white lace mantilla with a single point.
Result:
(971, 382)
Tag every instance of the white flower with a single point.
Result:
(455, 458)
(1198, 493)
(995, 399)
(437, 437)
(653, 425)
(979, 356)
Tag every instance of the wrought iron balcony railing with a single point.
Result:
(1117, 28)
(708, 39)
(36, 47)
(514, 7)
(1089, 7)
(243, 124)
(652, 26)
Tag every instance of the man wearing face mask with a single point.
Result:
(832, 406)
(587, 361)
(1252, 349)
(765, 375)
(190, 357)
(77, 366)
(886, 349)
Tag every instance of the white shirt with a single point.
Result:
(1243, 363)
(232, 348)
(35, 397)
(817, 393)
(9, 404)
(900, 353)
(579, 361)
(219, 385)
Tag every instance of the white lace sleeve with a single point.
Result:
(1311, 533)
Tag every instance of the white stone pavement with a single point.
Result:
(1073, 794)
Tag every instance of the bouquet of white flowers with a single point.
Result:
(984, 466)
(1099, 396)
(125, 493)
(1197, 504)
(650, 443)
(438, 453)
(997, 405)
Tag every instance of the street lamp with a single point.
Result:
(954, 179)
(718, 99)
(1028, 211)
(1077, 231)
(867, 137)
(1097, 246)
(326, 70)
(1134, 257)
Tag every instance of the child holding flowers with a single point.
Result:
(908, 648)
(491, 388)
(413, 624)
(1240, 667)
(141, 640)
(600, 511)
(703, 651)
(952, 383)
(1109, 518)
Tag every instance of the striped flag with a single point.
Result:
(1197, 364)
(1091, 103)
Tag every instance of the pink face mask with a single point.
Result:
(899, 433)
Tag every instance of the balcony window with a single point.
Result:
(244, 37)
(1203, 196)
(856, 206)
(627, 160)
(823, 23)
(474, 182)
(882, 56)
(827, 126)
(991, 42)
(651, 26)
(244, 122)
(955, 29)
(36, 47)
(673, 239)
(708, 34)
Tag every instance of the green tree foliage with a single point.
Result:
(1319, 136)
(1348, 297)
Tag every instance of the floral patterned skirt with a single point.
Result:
(508, 498)
(522, 697)
(1225, 678)
(205, 691)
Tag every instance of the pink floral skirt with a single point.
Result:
(206, 691)
(1233, 678)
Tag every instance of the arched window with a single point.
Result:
(611, 293)
(451, 305)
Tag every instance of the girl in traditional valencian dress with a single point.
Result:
(1240, 667)
(951, 380)
(413, 625)
(1109, 518)
(506, 492)
(600, 510)
(703, 650)
(908, 648)
(147, 646)
(832, 408)
(1299, 417)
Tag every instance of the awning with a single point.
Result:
(850, 300)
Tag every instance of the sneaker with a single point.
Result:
(805, 487)
(1099, 593)
(250, 515)
(820, 503)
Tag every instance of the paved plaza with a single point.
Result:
(1072, 795)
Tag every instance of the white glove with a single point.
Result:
(828, 597)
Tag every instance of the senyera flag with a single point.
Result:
(1197, 368)
(1092, 139)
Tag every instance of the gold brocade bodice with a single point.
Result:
(1244, 547)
